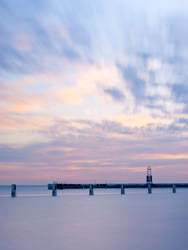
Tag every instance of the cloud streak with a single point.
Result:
(91, 90)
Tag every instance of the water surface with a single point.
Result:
(108, 221)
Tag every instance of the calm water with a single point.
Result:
(106, 221)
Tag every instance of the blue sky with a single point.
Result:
(93, 90)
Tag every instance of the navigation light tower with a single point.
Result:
(149, 176)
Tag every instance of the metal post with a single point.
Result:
(54, 190)
(174, 188)
(149, 189)
(13, 190)
(122, 190)
(91, 189)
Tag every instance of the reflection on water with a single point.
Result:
(107, 220)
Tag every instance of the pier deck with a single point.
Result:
(126, 185)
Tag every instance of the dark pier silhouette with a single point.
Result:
(117, 185)
(149, 185)
(123, 186)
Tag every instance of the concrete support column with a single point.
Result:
(13, 190)
(149, 189)
(122, 189)
(54, 190)
(174, 188)
(91, 189)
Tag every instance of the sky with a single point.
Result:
(93, 91)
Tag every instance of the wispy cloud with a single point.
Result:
(88, 90)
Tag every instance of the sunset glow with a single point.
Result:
(93, 91)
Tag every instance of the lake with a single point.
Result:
(106, 221)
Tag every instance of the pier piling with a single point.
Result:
(54, 190)
(174, 188)
(122, 189)
(91, 189)
(13, 190)
(149, 189)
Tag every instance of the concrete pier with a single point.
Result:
(149, 189)
(54, 190)
(91, 189)
(122, 189)
(117, 185)
(13, 190)
(174, 188)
